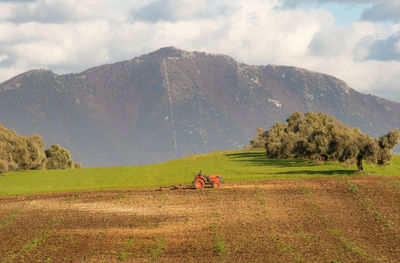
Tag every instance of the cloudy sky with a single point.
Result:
(355, 40)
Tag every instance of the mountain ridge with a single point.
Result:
(171, 102)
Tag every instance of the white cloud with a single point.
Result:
(175, 10)
(95, 32)
(385, 49)
(3, 57)
(63, 48)
(384, 11)
(325, 42)
(49, 11)
(380, 10)
(17, 1)
(397, 46)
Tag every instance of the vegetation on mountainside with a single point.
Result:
(25, 153)
(320, 137)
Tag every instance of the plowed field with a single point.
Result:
(355, 219)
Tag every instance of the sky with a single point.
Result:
(357, 41)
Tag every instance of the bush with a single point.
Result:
(3, 166)
(259, 141)
(58, 158)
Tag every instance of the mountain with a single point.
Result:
(172, 102)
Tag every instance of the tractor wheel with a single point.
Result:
(198, 184)
(216, 185)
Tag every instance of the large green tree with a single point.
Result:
(321, 137)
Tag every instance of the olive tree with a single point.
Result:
(258, 142)
(321, 137)
(26, 153)
(58, 158)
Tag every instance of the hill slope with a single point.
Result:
(241, 165)
(172, 102)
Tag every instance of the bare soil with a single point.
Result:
(302, 220)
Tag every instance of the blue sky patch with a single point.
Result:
(345, 14)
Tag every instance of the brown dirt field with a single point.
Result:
(303, 220)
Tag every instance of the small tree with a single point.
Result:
(258, 142)
(58, 158)
(386, 144)
(274, 140)
(37, 157)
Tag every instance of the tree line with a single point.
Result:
(321, 137)
(26, 153)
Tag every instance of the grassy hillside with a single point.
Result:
(232, 165)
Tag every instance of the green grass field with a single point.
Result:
(242, 165)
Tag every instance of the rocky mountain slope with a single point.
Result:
(171, 102)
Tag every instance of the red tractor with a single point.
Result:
(201, 180)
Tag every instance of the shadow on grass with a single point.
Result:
(260, 159)
(323, 172)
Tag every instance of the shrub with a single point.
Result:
(259, 141)
(3, 166)
(58, 158)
